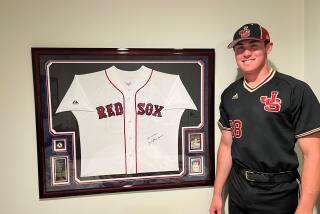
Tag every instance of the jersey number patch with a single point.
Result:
(236, 128)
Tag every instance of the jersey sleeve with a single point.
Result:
(223, 122)
(75, 99)
(305, 111)
(178, 97)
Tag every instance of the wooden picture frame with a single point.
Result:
(111, 120)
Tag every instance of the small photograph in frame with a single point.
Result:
(196, 165)
(196, 142)
(60, 170)
(59, 145)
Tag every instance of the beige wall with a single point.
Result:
(130, 24)
(312, 44)
(312, 47)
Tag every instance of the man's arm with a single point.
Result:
(310, 178)
(224, 163)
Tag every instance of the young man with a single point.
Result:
(262, 116)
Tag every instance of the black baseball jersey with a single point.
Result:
(267, 120)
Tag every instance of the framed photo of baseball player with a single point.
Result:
(111, 120)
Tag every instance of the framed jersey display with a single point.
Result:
(111, 120)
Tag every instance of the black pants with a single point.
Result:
(261, 198)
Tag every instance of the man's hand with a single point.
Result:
(216, 205)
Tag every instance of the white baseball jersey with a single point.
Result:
(128, 120)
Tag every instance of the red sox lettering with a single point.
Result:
(110, 110)
(148, 109)
(116, 109)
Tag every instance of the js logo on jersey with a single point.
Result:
(271, 104)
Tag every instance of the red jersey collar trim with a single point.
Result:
(264, 81)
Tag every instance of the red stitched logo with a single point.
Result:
(273, 103)
(245, 32)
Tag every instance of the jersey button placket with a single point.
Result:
(130, 133)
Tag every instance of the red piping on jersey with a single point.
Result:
(124, 122)
(136, 119)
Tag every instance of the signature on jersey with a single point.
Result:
(154, 138)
